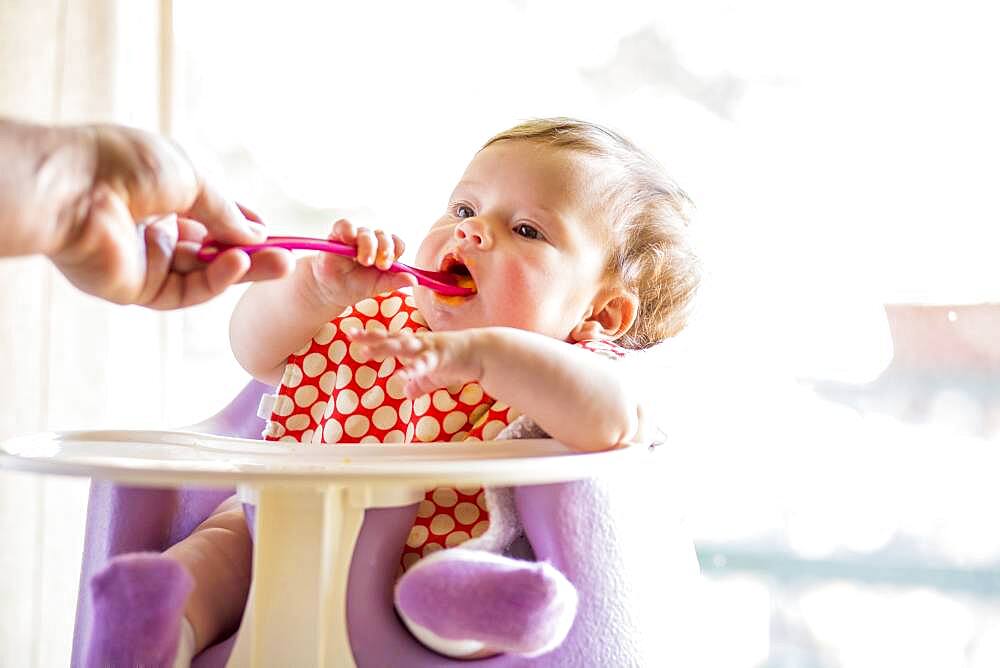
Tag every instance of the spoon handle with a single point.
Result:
(439, 281)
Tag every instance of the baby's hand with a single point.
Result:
(345, 281)
(433, 359)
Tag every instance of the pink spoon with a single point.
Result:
(439, 281)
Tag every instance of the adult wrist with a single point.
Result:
(67, 170)
(43, 188)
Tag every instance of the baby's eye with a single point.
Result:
(527, 231)
(464, 211)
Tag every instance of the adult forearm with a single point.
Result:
(578, 397)
(46, 174)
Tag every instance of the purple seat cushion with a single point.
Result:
(584, 545)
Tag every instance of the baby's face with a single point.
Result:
(527, 225)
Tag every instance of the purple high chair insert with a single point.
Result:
(593, 531)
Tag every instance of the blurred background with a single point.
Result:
(833, 412)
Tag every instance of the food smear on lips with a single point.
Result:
(460, 270)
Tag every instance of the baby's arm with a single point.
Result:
(581, 399)
(276, 318)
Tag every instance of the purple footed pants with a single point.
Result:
(139, 604)
(459, 602)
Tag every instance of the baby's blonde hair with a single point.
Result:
(652, 252)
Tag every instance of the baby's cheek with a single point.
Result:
(526, 298)
(431, 246)
(523, 283)
(425, 255)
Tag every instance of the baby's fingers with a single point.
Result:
(380, 344)
(385, 252)
(374, 247)
(344, 231)
(367, 244)
(420, 374)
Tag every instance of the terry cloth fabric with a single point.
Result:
(459, 601)
(138, 603)
(329, 395)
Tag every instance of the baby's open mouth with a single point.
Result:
(453, 265)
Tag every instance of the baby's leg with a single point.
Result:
(143, 600)
(469, 603)
(218, 555)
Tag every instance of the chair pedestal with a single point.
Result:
(305, 539)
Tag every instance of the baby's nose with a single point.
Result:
(475, 232)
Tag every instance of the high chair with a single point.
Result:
(615, 539)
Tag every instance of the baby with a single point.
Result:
(575, 243)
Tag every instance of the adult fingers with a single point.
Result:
(222, 218)
(154, 177)
(190, 230)
(160, 238)
(108, 262)
(187, 289)
(264, 264)
(249, 213)
(269, 264)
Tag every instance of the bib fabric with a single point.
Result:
(329, 395)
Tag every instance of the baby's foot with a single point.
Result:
(138, 607)
(466, 602)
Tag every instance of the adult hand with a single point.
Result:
(121, 213)
(135, 233)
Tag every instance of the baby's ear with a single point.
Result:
(610, 316)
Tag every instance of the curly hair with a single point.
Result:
(652, 253)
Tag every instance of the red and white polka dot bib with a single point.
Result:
(327, 395)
